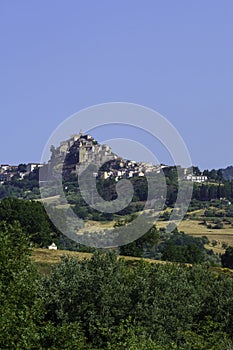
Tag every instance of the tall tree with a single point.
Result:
(20, 310)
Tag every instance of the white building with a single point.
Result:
(5, 167)
(196, 178)
(32, 166)
(52, 246)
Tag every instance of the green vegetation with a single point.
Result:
(217, 186)
(227, 258)
(32, 217)
(106, 301)
(144, 246)
(20, 308)
(155, 244)
(102, 303)
(184, 248)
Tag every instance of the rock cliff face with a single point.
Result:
(76, 153)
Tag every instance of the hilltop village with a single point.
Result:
(79, 151)
(76, 153)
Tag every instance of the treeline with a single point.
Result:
(104, 303)
(33, 219)
(208, 191)
(216, 187)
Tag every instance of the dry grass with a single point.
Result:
(40, 255)
(45, 259)
(103, 224)
(96, 226)
(198, 212)
(193, 227)
(54, 256)
(49, 200)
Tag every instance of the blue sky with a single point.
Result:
(58, 57)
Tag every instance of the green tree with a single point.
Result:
(183, 248)
(227, 258)
(196, 171)
(116, 307)
(213, 174)
(32, 217)
(22, 168)
(142, 246)
(20, 310)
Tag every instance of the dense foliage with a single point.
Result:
(32, 217)
(103, 303)
(227, 258)
(20, 308)
(219, 185)
(184, 248)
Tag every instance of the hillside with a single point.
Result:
(45, 259)
(228, 173)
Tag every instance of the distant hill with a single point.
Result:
(228, 173)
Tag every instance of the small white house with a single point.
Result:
(5, 167)
(195, 178)
(52, 246)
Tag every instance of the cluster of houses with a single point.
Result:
(129, 169)
(84, 149)
(79, 151)
(7, 172)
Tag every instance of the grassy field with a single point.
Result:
(49, 200)
(41, 255)
(194, 228)
(45, 259)
(96, 226)
(189, 226)
(54, 256)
